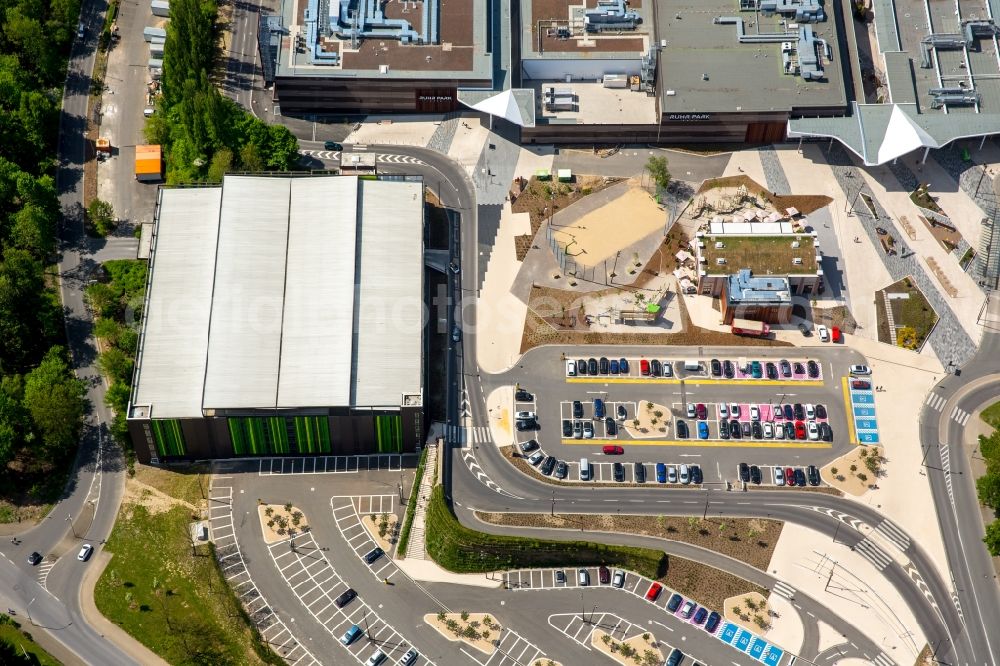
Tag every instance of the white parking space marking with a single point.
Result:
(346, 515)
(512, 649)
(227, 552)
(391, 462)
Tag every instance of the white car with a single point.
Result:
(685, 475)
(734, 410)
(536, 457)
(377, 658)
(668, 369)
(810, 411)
(768, 430)
(779, 431)
(671, 474)
(687, 609)
(779, 476)
(860, 370)
(813, 430)
(525, 416)
(690, 410)
(823, 332)
(571, 368)
(723, 411)
(754, 413)
(85, 552)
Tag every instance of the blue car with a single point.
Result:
(598, 408)
(623, 365)
(661, 473)
(756, 371)
(614, 367)
(713, 622)
(351, 635)
(702, 430)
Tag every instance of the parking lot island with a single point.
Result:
(477, 630)
(635, 651)
(279, 522)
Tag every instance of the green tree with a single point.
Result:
(101, 216)
(992, 538)
(988, 487)
(55, 400)
(28, 318)
(14, 423)
(657, 169)
(222, 163)
(116, 364)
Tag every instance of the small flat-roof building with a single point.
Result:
(765, 249)
(148, 164)
(283, 315)
(766, 299)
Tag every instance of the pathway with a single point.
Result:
(416, 547)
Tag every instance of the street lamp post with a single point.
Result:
(69, 519)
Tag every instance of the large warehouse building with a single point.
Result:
(283, 316)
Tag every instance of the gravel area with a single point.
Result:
(773, 171)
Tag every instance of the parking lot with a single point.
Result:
(769, 407)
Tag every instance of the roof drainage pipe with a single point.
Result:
(756, 38)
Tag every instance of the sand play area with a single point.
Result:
(618, 224)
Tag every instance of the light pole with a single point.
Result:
(553, 513)
(28, 610)
(69, 519)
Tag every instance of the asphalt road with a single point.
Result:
(87, 512)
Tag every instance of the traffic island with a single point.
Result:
(750, 611)
(477, 630)
(650, 420)
(382, 528)
(279, 522)
(856, 472)
(639, 650)
(543, 661)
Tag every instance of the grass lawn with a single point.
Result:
(460, 549)
(913, 312)
(174, 602)
(766, 255)
(14, 643)
(992, 415)
(185, 482)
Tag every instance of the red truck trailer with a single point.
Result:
(754, 329)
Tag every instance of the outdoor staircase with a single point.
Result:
(415, 547)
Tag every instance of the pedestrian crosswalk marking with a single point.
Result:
(873, 554)
(935, 401)
(883, 660)
(960, 416)
(893, 534)
(783, 589)
(467, 435)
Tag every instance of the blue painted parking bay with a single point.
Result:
(863, 409)
(745, 641)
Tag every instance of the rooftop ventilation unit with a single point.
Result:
(797, 261)
(795, 244)
(721, 261)
(719, 245)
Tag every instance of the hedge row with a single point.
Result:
(411, 506)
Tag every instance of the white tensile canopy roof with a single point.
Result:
(902, 136)
(502, 105)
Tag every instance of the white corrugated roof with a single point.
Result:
(175, 342)
(268, 269)
(388, 337)
(244, 340)
(319, 293)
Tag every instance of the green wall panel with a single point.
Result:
(389, 433)
(312, 434)
(169, 437)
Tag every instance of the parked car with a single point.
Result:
(655, 368)
(723, 429)
(754, 413)
(860, 370)
(800, 430)
(755, 474)
(756, 430)
(798, 369)
(351, 635)
(376, 658)
(85, 552)
(771, 370)
(639, 472)
(779, 431)
(614, 367)
(723, 411)
(523, 425)
(536, 458)
(799, 412)
(345, 598)
(702, 430)
(804, 329)
(523, 396)
(604, 575)
(734, 410)
(789, 412)
(661, 473)
(560, 577)
(734, 429)
(825, 432)
(562, 470)
(577, 429)
(716, 367)
(789, 476)
(529, 446)
(813, 475)
(548, 465)
(685, 475)
(691, 410)
(779, 476)
(835, 334)
(823, 332)
(581, 367)
(623, 365)
(768, 430)
(682, 430)
(577, 409)
(696, 475)
(644, 367)
(812, 369)
(744, 472)
(671, 474)
(570, 369)
(785, 367)
(612, 450)
(674, 603)
(373, 555)
(598, 408)
(654, 591)
(588, 430)
(756, 371)
(813, 431)
(701, 411)
(618, 580)
(675, 658)
(861, 385)
(592, 366)
(618, 471)
(604, 365)
(409, 658)
(610, 427)
(582, 577)
(745, 427)
(713, 622)
(789, 430)
(810, 411)
(800, 477)
(728, 369)
(622, 413)
(687, 609)
(567, 428)
(700, 615)
(668, 370)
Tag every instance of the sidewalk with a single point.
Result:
(429, 572)
(101, 624)
(499, 404)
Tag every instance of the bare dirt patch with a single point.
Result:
(750, 540)
(750, 611)
(476, 630)
(152, 499)
(650, 420)
(637, 650)
(838, 316)
(854, 474)
(804, 203)
(279, 522)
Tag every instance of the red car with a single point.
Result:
(653, 592)
(644, 367)
(835, 335)
(612, 450)
(701, 411)
(789, 476)
(861, 384)
(800, 430)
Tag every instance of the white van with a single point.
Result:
(692, 365)
(148, 111)
(584, 470)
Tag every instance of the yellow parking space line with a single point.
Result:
(849, 409)
(717, 444)
(728, 382)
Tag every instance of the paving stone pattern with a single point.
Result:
(971, 179)
(948, 340)
(773, 173)
(444, 135)
(904, 175)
